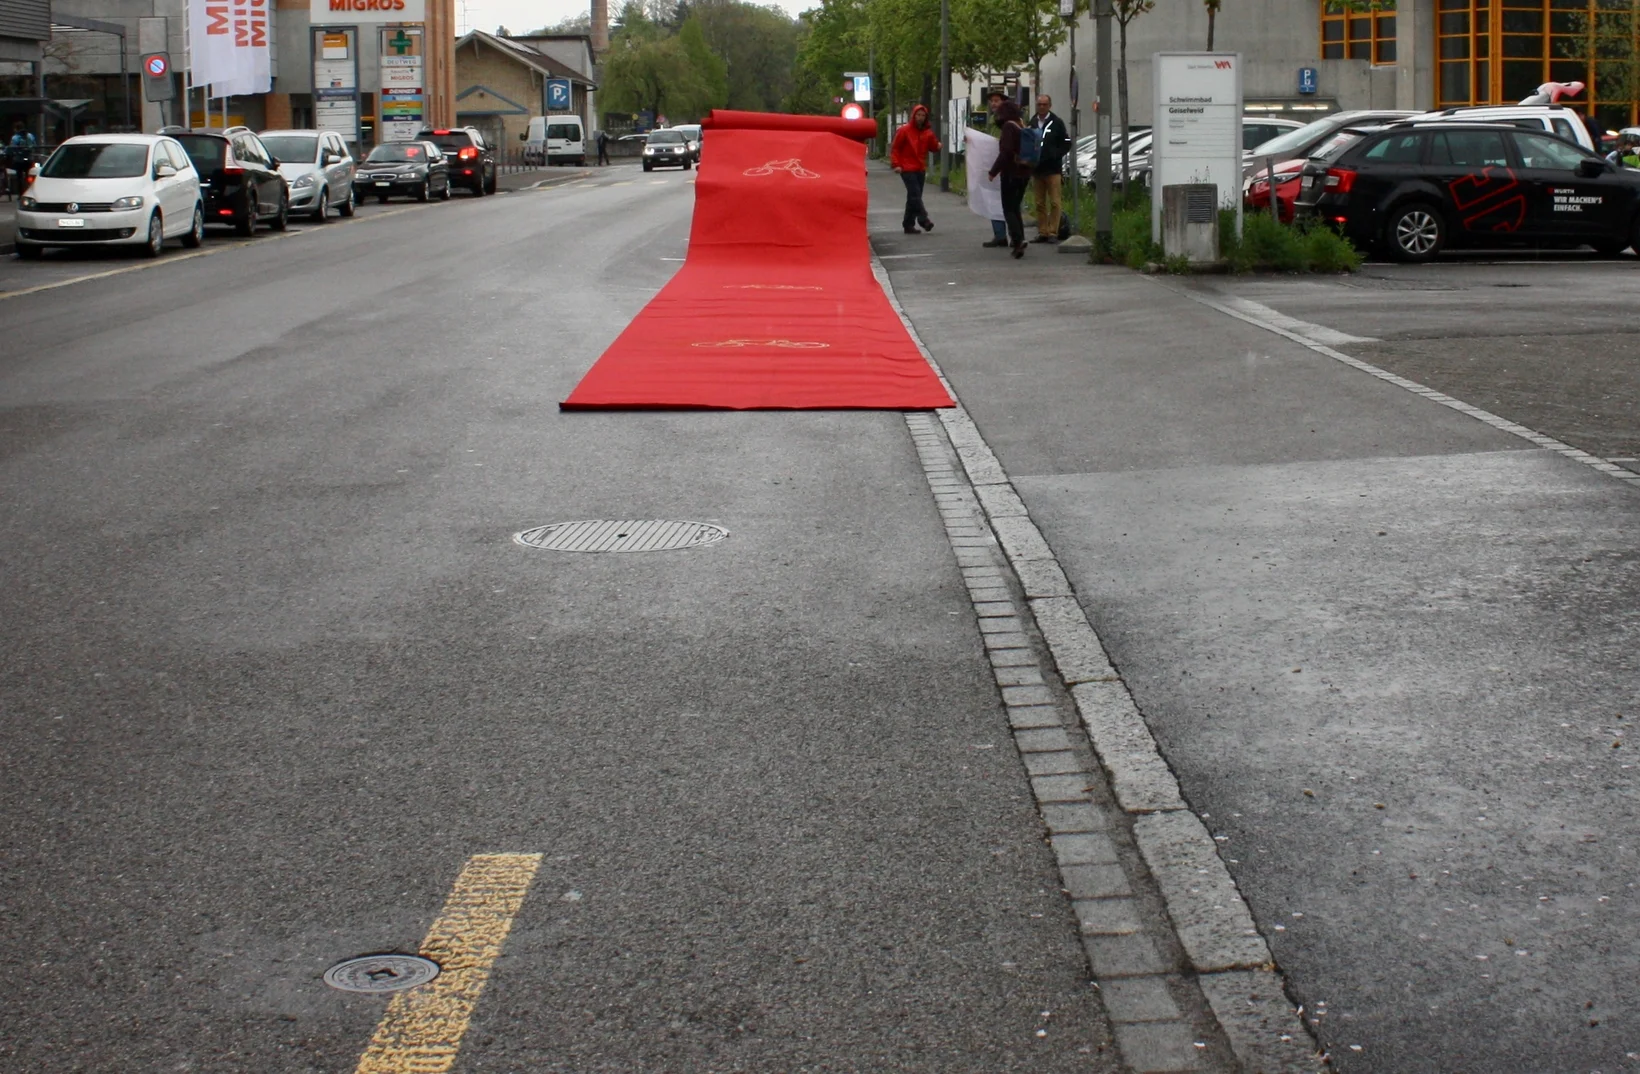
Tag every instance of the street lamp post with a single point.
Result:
(943, 128)
(1102, 97)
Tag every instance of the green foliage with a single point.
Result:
(1606, 36)
(759, 49)
(1265, 243)
(1328, 251)
(707, 66)
(682, 60)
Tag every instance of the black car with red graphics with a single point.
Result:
(1412, 189)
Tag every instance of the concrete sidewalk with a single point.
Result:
(1383, 645)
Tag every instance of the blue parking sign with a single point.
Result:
(558, 95)
(1306, 80)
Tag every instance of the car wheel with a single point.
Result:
(688, 164)
(281, 219)
(246, 224)
(29, 253)
(196, 234)
(444, 191)
(648, 166)
(349, 206)
(156, 237)
(490, 186)
(425, 192)
(382, 198)
(321, 212)
(1416, 232)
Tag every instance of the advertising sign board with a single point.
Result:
(1198, 127)
(366, 12)
(402, 95)
(336, 81)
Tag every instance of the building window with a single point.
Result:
(1358, 31)
(1500, 60)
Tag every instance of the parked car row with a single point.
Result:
(140, 190)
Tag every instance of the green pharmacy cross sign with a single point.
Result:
(400, 43)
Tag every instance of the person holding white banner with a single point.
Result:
(984, 192)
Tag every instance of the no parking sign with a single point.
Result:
(157, 84)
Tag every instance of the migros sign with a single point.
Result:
(349, 12)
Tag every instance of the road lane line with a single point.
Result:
(422, 1029)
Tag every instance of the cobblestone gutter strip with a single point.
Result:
(1185, 976)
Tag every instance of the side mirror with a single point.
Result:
(1590, 168)
(164, 171)
(273, 161)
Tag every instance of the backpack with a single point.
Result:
(1030, 145)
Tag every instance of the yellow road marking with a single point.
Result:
(422, 1029)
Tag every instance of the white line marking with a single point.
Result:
(1605, 466)
(899, 257)
(1316, 332)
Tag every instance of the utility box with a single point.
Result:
(1190, 222)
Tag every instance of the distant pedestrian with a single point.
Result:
(19, 156)
(603, 147)
(1627, 153)
(1056, 142)
(1015, 175)
(909, 156)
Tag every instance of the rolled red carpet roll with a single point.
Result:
(725, 119)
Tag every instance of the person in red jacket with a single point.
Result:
(909, 156)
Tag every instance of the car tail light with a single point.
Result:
(224, 212)
(441, 132)
(233, 169)
(1340, 180)
(1340, 220)
(468, 154)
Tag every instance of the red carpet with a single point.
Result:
(776, 306)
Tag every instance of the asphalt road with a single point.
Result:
(1389, 650)
(275, 670)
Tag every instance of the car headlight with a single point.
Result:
(29, 203)
(302, 181)
(648, 150)
(124, 204)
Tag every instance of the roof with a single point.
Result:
(538, 61)
(130, 139)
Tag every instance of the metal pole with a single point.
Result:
(1102, 98)
(946, 133)
(1270, 180)
(1076, 130)
(871, 73)
(125, 82)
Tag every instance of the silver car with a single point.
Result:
(318, 168)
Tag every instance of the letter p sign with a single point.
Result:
(558, 99)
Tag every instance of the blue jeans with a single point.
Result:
(999, 230)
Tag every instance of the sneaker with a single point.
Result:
(1019, 249)
(928, 225)
(1043, 238)
(995, 244)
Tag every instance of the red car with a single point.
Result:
(1255, 196)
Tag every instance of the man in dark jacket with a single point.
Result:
(1056, 142)
(1013, 175)
(909, 156)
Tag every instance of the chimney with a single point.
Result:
(600, 27)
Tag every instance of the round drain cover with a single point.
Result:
(603, 535)
(381, 973)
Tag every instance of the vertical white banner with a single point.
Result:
(230, 46)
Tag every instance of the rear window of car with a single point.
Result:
(451, 140)
(393, 151)
(664, 137)
(297, 148)
(568, 131)
(1334, 147)
(97, 160)
(205, 151)
(1396, 149)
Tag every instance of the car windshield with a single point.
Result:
(204, 150)
(398, 151)
(665, 138)
(1333, 147)
(567, 131)
(293, 148)
(1293, 141)
(97, 160)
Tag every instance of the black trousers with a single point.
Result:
(915, 213)
(603, 155)
(1013, 195)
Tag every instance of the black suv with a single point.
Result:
(470, 160)
(1412, 189)
(239, 180)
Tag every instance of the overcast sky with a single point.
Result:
(521, 16)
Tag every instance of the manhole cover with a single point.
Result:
(602, 535)
(381, 973)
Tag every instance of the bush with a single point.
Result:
(1328, 251)
(1268, 244)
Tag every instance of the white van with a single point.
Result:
(555, 140)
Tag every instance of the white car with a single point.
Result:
(112, 189)
(318, 168)
(1556, 119)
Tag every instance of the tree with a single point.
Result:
(707, 67)
(648, 69)
(1602, 36)
(758, 46)
(1125, 11)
